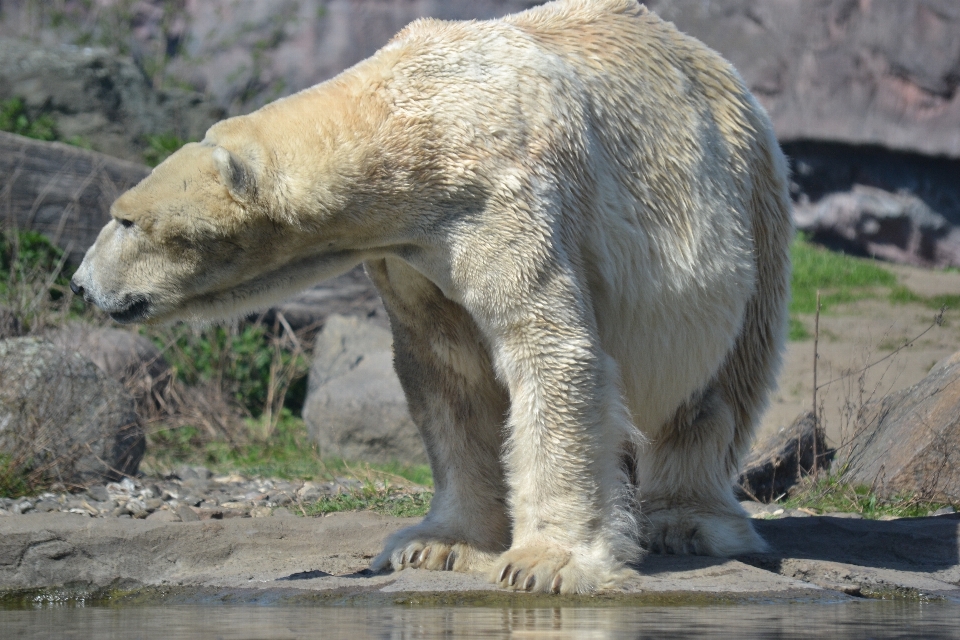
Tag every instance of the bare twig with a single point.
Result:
(937, 322)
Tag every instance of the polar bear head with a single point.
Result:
(222, 227)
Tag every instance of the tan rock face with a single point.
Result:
(910, 441)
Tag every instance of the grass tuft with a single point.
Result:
(385, 501)
(287, 453)
(830, 494)
(840, 278)
(160, 147)
(15, 119)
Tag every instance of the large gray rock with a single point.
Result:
(125, 356)
(892, 226)
(62, 419)
(909, 441)
(355, 406)
(99, 98)
(64, 192)
(351, 294)
(779, 461)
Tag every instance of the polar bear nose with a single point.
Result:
(77, 289)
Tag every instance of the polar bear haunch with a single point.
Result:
(578, 220)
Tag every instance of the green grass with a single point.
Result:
(14, 480)
(901, 295)
(830, 494)
(843, 279)
(384, 501)
(242, 358)
(288, 453)
(839, 278)
(160, 147)
(15, 119)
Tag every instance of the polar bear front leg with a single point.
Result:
(573, 529)
(459, 408)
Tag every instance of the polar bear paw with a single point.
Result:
(546, 569)
(418, 550)
(692, 532)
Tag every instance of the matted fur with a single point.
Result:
(578, 220)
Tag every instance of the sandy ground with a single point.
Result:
(324, 560)
(856, 335)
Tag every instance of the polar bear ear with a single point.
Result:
(236, 175)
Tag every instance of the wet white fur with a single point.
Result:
(578, 220)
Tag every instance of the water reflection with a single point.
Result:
(867, 619)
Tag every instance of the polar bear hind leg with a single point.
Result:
(686, 489)
(686, 475)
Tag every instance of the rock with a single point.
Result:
(241, 561)
(162, 516)
(355, 407)
(844, 514)
(98, 98)
(760, 510)
(896, 227)
(771, 467)
(187, 514)
(858, 92)
(909, 441)
(63, 418)
(861, 73)
(46, 506)
(61, 191)
(125, 356)
(98, 493)
(351, 294)
(194, 473)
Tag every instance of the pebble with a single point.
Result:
(187, 494)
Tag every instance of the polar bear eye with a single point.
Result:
(126, 224)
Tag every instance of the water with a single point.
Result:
(858, 619)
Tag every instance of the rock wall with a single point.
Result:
(851, 71)
(98, 99)
(855, 71)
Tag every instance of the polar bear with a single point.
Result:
(578, 220)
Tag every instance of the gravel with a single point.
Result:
(185, 495)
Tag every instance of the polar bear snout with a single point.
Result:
(124, 308)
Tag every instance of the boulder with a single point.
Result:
(898, 227)
(62, 419)
(777, 462)
(125, 356)
(909, 441)
(351, 294)
(62, 191)
(98, 98)
(355, 407)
